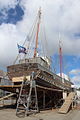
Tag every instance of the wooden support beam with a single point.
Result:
(46, 88)
(43, 99)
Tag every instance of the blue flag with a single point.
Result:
(21, 49)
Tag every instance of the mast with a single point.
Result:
(37, 33)
(60, 57)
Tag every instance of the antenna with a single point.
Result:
(37, 33)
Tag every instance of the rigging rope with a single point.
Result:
(28, 47)
(30, 39)
(27, 38)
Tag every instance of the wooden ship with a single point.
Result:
(49, 87)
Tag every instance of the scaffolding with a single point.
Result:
(27, 100)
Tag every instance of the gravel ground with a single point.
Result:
(10, 114)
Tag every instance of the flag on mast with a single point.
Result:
(21, 49)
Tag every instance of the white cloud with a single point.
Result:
(8, 3)
(76, 80)
(75, 71)
(75, 77)
(5, 5)
(59, 16)
(9, 37)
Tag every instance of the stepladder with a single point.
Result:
(27, 102)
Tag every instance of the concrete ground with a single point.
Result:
(10, 114)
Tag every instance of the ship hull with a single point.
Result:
(45, 77)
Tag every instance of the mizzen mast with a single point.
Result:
(37, 33)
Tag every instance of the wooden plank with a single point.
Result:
(66, 105)
(46, 88)
(7, 96)
(20, 79)
(10, 88)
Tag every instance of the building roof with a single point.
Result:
(2, 73)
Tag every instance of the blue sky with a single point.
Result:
(69, 63)
(16, 18)
(13, 15)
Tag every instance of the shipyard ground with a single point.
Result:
(10, 114)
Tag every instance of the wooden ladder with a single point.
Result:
(66, 105)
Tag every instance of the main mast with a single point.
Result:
(60, 58)
(37, 33)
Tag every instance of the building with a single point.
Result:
(4, 80)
